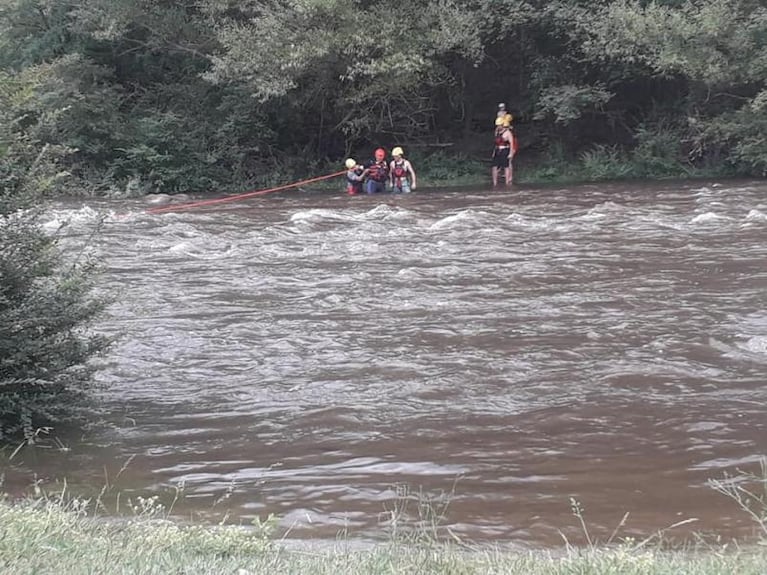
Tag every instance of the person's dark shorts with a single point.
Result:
(501, 158)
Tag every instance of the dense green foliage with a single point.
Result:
(202, 95)
(46, 111)
(45, 300)
(45, 304)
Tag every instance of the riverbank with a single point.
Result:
(45, 536)
(555, 166)
(468, 165)
(471, 168)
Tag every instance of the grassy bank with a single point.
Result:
(44, 536)
(597, 164)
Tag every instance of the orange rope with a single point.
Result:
(162, 209)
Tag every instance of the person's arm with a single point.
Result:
(509, 137)
(391, 174)
(511, 143)
(412, 174)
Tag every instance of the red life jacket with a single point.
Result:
(378, 171)
(399, 170)
(500, 141)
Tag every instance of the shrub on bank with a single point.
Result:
(45, 300)
(45, 307)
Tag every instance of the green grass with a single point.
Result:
(58, 533)
(47, 536)
(604, 163)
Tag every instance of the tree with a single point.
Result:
(221, 95)
(715, 49)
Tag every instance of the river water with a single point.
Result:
(491, 355)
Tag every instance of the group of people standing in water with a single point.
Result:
(374, 176)
(399, 175)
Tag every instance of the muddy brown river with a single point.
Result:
(493, 355)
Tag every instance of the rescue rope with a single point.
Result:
(197, 204)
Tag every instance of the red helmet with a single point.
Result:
(380, 154)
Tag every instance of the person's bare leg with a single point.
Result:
(507, 174)
(494, 173)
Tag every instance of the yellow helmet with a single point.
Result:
(350, 164)
(397, 151)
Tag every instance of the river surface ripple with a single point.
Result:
(495, 354)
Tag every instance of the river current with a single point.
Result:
(494, 356)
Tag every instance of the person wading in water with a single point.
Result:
(503, 151)
(378, 173)
(355, 176)
(401, 173)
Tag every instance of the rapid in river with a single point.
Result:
(496, 355)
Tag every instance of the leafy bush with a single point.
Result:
(448, 168)
(28, 166)
(45, 307)
(44, 302)
(605, 163)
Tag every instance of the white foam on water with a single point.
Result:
(748, 334)
(524, 221)
(384, 212)
(459, 220)
(654, 221)
(708, 217)
(756, 215)
(203, 248)
(407, 273)
(316, 215)
(603, 210)
(756, 344)
(56, 219)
